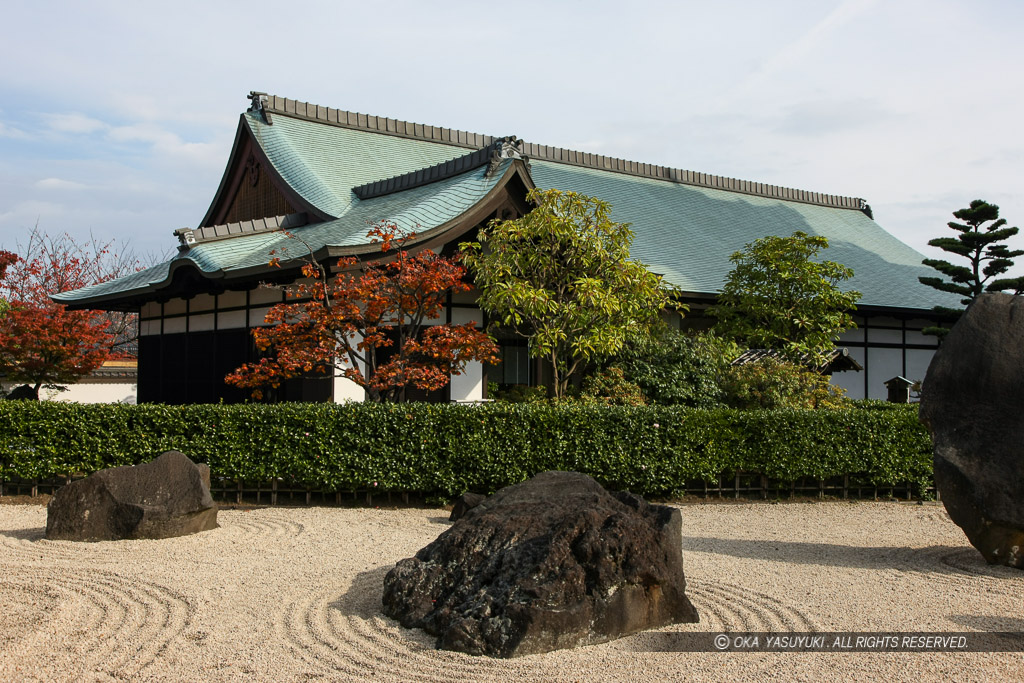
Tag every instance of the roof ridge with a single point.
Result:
(452, 136)
(432, 174)
(189, 236)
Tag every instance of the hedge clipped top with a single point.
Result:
(440, 448)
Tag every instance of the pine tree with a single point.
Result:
(979, 244)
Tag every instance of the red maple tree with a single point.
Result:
(42, 344)
(371, 323)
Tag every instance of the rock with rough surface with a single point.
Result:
(167, 497)
(973, 403)
(464, 503)
(555, 562)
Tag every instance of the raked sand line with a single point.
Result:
(344, 633)
(95, 621)
(725, 607)
(261, 522)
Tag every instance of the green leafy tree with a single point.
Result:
(561, 277)
(677, 368)
(778, 296)
(987, 259)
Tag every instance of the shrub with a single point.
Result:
(610, 387)
(676, 368)
(772, 384)
(448, 449)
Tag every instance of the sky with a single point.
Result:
(117, 118)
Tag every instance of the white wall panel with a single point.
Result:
(200, 323)
(265, 295)
(257, 316)
(461, 316)
(917, 363)
(174, 307)
(883, 365)
(469, 386)
(347, 390)
(174, 325)
(231, 300)
(231, 320)
(201, 302)
(852, 381)
(876, 336)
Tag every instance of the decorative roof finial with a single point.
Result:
(257, 104)
(509, 147)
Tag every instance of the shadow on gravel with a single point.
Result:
(833, 555)
(363, 597)
(990, 624)
(32, 534)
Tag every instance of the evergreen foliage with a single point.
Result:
(449, 449)
(678, 368)
(986, 257)
(561, 277)
(779, 297)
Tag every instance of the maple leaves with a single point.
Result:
(41, 342)
(371, 323)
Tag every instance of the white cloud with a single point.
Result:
(73, 123)
(7, 131)
(59, 184)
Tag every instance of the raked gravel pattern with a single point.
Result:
(294, 594)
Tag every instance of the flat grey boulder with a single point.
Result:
(554, 562)
(973, 404)
(169, 496)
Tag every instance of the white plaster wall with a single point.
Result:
(469, 386)
(850, 380)
(883, 365)
(346, 390)
(92, 393)
(461, 316)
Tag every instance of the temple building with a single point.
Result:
(303, 178)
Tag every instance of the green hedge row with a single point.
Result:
(448, 449)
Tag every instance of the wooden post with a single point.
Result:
(273, 492)
(846, 486)
(238, 496)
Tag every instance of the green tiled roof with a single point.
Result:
(687, 233)
(419, 210)
(323, 163)
(686, 224)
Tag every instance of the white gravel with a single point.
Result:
(294, 594)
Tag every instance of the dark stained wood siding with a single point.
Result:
(256, 200)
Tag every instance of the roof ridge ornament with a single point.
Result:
(258, 105)
(509, 147)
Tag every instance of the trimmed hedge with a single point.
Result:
(448, 449)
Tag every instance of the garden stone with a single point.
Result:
(464, 503)
(554, 562)
(167, 497)
(972, 402)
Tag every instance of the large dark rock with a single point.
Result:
(554, 562)
(169, 496)
(463, 504)
(973, 404)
